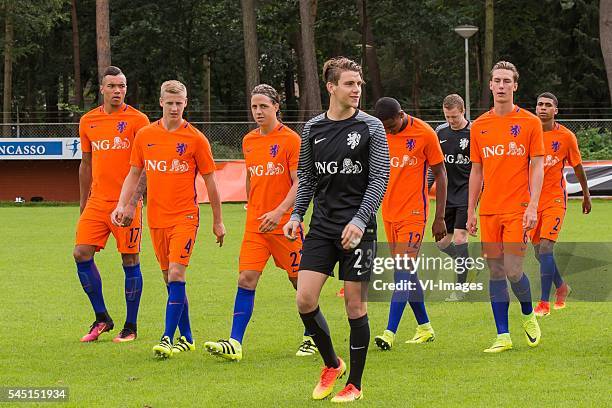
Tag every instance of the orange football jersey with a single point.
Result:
(269, 161)
(109, 139)
(171, 161)
(560, 147)
(504, 145)
(411, 152)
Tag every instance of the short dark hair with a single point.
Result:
(333, 68)
(549, 95)
(112, 70)
(387, 108)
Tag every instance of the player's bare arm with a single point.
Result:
(438, 228)
(130, 208)
(84, 179)
(130, 184)
(536, 177)
(475, 187)
(270, 220)
(586, 195)
(215, 204)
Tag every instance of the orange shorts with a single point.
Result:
(549, 225)
(256, 250)
(95, 226)
(174, 244)
(503, 234)
(405, 237)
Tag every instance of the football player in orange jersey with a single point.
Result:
(271, 154)
(172, 152)
(413, 150)
(107, 135)
(506, 151)
(560, 147)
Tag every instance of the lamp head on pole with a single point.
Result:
(466, 31)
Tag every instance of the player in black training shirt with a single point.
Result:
(454, 136)
(344, 169)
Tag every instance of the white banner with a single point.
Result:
(40, 148)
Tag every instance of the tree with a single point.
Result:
(103, 36)
(251, 56)
(76, 56)
(7, 99)
(487, 64)
(371, 58)
(310, 90)
(605, 38)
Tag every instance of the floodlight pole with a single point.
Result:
(466, 31)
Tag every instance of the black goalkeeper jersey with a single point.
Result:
(456, 148)
(344, 169)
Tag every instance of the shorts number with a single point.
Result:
(188, 246)
(134, 233)
(417, 240)
(359, 253)
(294, 262)
(556, 227)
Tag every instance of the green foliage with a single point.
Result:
(595, 143)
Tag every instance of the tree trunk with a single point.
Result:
(206, 88)
(76, 57)
(308, 12)
(7, 99)
(605, 38)
(102, 37)
(290, 102)
(251, 55)
(302, 97)
(416, 84)
(373, 74)
(487, 63)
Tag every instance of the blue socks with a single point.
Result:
(184, 325)
(557, 279)
(547, 273)
(92, 284)
(500, 302)
(243, 310)
(133, 291)
(174, 307)
(399, 299)
(522, 291)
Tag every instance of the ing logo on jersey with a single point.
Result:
(550, 160)
(118, 144)
(404, 161)
(348, 167)
(121, 126)
(162, 166)
(459, 159)
(464, 142)
(274, 150)
(515, 130)
(556, 145)
(181, 148)
(270, 169)
(500, 150)
(353, 139)
(410, 144)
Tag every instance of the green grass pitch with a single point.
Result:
(44, 312)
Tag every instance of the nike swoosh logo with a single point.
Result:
(575, 187)
(442, 141)
(150, 144)
(183, 257)
(319, 140)
(357, 348)
(359, 273)
(131, 246)
(531, 339)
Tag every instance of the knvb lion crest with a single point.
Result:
(515, 130)
(121, 126)
(556, 145)
(463, 143)
(353, 139)
(410, 144)
(274, 150)
(181, 148)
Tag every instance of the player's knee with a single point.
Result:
(355, 308)
(130, 259)
(546, 246)
(460, 238)
(306, 302)
(248, 279)
(176, 273)
(82, 253)
(444, 242)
